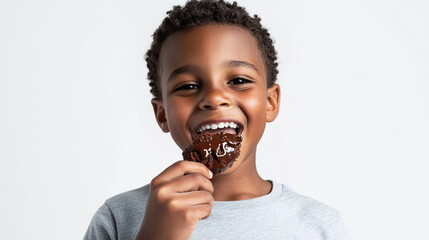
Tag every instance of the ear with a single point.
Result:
(159, 111)
(273, 102)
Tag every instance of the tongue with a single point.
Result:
(219, 130)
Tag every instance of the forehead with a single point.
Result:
(209, 47)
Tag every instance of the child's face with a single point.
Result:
(211, 74)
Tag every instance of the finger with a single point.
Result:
(190, 182)
(194, 198)
(202, 211)
(181, 168)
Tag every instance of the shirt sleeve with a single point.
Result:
(102, 226)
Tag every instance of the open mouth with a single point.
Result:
(218, 127)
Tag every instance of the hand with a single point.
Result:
(179, 197)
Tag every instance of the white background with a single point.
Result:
(76, 124)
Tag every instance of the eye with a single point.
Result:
(186, 87)
(239, 80)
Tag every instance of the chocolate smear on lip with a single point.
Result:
(217, 151)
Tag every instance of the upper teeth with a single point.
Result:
(216, 126)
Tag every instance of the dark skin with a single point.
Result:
(212, 73)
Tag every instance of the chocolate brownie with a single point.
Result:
(217, 151)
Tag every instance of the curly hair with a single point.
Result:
(197, 13)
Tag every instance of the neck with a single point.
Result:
(242, 184)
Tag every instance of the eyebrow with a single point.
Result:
(227, 64)
(245, 64)
(182, 69)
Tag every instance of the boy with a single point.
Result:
(211, 64)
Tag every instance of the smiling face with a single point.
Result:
(213, 78)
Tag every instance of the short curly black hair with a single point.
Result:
(197, 13)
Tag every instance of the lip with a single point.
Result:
(217, 121)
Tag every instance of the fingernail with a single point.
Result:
(211, 174)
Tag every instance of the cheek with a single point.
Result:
(256, 104)
(255, 109)
(177, 117)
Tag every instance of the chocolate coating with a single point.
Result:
(217, 151)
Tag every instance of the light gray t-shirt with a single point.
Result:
(282, 214)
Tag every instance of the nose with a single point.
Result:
(214, 98)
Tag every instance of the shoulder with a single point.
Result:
(102, 225)
(120, 216)
(129, 199)
(307, 208)
(312, 216)
(129, 206)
